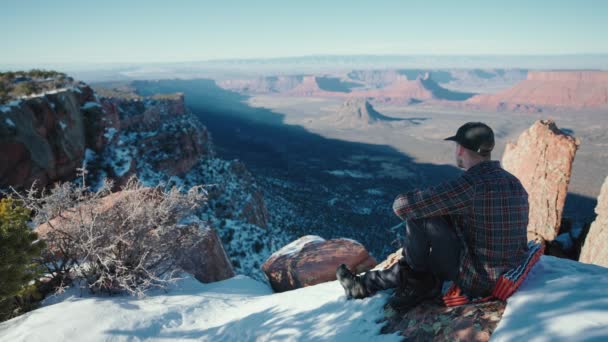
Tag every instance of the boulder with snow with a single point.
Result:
(312, 260)
(595, 248)
(542, 160)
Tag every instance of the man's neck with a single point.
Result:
(470, 163)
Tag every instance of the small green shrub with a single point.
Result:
(19, 247)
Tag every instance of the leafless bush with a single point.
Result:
(125, 241)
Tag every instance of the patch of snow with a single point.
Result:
(10, 122)
(560, 300)
(374, 192)
(7, 107)
(90, 104)
(120, 159)
(236, 309)
(297, 245)
(349, 173)
(44, 93)
(109, 134)
(362, 210)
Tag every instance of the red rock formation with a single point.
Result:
(311, 260)
(542, 160)
(43, 138)
(310, 87)
(595, 248)
(206, 260)
(572, 89)
(402, 90)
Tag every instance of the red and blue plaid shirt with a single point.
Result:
(489, 208)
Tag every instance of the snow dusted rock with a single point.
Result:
(153, 134)
(312, 260)
(207, 260)
(595, 248)
(43, 137)
(542, 160)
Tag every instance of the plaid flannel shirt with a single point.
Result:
(489, 207)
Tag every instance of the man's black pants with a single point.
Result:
(430, 245)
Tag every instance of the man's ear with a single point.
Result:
(459, 149)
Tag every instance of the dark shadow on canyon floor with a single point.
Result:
(336, 188)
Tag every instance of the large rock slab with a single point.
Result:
(595, 248)
(206, 259)
(542, 160)
(312, 260)
(433, 321)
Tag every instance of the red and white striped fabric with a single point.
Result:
(506, 284)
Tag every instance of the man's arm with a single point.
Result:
(445, 198)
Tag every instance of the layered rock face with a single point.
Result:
(573, 89)
(145, 136)
(542, 159)
(47, 137)
(312, 260)
(42, 138)
(595, 248)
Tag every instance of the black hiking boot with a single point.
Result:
(352, 284)
(418, 287)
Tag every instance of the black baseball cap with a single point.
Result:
(475, 136)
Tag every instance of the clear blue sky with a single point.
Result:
(142, 31)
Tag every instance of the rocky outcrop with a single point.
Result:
(42, 137)
(206, 259)
(433, 321)
(595, 248)
(312, 260)
(147, 137)
(572, 89)
(358, 112)
(542, 159)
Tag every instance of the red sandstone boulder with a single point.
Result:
(312, 260)
(542, 160)
(207, 259)
(595, 248)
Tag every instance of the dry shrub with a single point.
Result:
(127, 241)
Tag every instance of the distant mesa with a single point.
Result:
(568, 89)
(358, 112)
(392, 86)
(423, 88)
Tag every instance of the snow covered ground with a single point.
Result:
(561, 300)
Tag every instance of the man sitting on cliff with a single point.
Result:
(469, 230)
